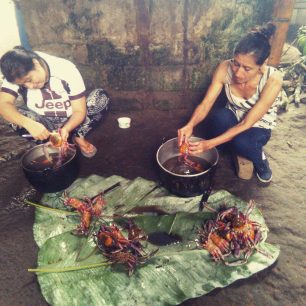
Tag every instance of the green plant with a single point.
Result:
(301, 39)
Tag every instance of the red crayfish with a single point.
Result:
(87, 209)
(120, 249)
(232, 233)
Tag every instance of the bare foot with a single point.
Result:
(87, 149)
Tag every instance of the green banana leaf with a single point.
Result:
(177, 272)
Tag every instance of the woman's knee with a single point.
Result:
(97, 102)
(242, 143)
(254, 139)
(223, 116)
(250, 143)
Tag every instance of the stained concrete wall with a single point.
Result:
(145, 53)
(299, 13)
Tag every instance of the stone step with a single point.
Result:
(244, 167)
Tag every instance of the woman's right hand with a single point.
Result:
(37, 130)
(184, 133)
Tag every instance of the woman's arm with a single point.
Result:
(205, 106)
(78, 115)
(10, 113)
(267, 98)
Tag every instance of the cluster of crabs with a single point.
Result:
(88, 209)
(232, 233)
(115, 246)
(118, 248)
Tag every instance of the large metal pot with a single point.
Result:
(186, 185)
(49, 178)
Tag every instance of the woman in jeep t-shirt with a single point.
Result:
(54, 94)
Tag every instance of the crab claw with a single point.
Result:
(228, 213)
(209, 226)
(56, 139)
(250, 207)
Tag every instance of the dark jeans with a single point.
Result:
(97, 106)
(248, 144)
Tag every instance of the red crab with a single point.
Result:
(243, 228)
(87, 209)
(119, 249)
(217, 246)
(183, 158)
(110, 238)
(56, 141)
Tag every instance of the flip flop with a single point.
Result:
(91, 154)
(87, 154)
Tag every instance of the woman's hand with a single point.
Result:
(37, 130)
(184, 133)
(198, 147)
(64, 133)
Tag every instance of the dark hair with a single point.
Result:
(257, 43)
(17, 63)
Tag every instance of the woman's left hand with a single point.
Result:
(198, 147)
(64, 133)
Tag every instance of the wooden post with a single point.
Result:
(282, 14)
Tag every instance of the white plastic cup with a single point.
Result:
(124, 122)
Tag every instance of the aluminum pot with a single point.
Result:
(186, 185)
(46, 178)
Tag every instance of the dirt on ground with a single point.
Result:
(131, 153)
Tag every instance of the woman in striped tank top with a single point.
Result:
(252, 89)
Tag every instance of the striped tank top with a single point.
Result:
(241, 106)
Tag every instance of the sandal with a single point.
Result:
(88, 150)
